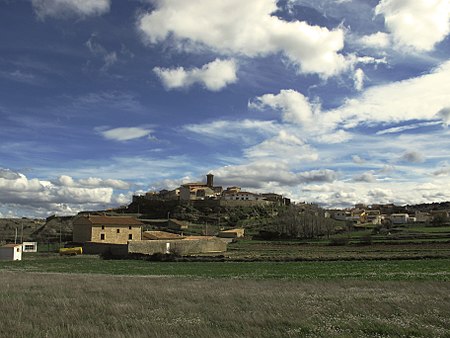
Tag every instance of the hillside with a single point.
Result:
(23, 227)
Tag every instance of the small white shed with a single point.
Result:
(11, 252)
(29, 247)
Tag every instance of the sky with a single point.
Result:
(329, 102)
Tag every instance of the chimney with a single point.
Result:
(210, 180)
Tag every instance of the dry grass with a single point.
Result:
(84, 305)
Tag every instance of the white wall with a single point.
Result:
(29, 247)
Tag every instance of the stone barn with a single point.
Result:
(106, 229)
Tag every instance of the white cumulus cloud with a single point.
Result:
(416, 24)
(419, 98)
(214, 76)
(295, 107)
(378, 40)
(247, 28)
(64, 195)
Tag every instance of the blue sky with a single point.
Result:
(332, 102)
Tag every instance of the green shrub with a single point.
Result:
(365, 240)
(339, 241)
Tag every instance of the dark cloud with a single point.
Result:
(8, 174)
(413, 157)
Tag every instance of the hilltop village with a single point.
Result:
(203, 196)
(216, 195)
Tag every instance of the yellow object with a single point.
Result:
(71, 251)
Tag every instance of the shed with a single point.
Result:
(232, 233)
(175, 224)
(29, 247)
(11, 252)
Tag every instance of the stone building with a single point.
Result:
(106, 229)
(199, 190)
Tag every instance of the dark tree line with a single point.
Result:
(304, 221)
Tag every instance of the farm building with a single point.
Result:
(399, 218)
(29, 247)
(175, 224)
(156, 235)
(11, 252)
(106, 229)
(232, 233)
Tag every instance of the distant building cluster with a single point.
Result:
(385, 213)
(200, 191)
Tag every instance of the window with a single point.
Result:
(18, 249)
(118, 231)
(29, 247)
(129, 227)
(103, 227)
(130, 236)
(102, 237)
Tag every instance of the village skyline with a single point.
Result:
(330, 102)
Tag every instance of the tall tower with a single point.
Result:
(210, 180)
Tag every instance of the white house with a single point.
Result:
(342, 215)
(29, 247)
(11, 252)
(399, 218)
(241, 196)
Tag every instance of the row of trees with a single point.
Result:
(305, 221)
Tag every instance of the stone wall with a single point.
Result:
(93, 248)
(244, 203)
(181, 247)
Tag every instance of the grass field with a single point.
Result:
(85, 305)
(381, 270)
(333, 291)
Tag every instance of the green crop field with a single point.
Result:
(382, 270)
(298, 250)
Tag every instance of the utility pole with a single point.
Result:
(15, 237)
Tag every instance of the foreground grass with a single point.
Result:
(82, 305)
(383, 270)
